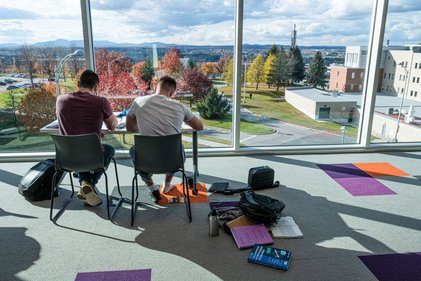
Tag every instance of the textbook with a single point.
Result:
(248, 236)
(286, 228)
(240, 221)
(270, 256)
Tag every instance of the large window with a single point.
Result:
(35, 36)
(397, 111)
(192, 41)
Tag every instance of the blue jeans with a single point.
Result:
(143, 175)
(94, 177)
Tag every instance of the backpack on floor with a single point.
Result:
(260, 208)
(35, 185)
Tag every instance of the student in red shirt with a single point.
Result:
(84, 112)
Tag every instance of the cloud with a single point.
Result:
(9, 13)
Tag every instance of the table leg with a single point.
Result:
(195, 166)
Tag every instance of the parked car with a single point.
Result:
(3, 83)
(12, 87)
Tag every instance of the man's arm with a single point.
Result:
(131, 124)
(195, 123)
(111, 122)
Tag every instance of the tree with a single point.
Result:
(38, 107)
(222, 64)
(75, 63)
(316, 72)
(255, 71)
(143, 72)
(213, 106)
(228, 72)
(194, 81)
(268, 68)
(171, 62)
(298, 72)
(208, 68)
(29, 58)
(281, 70)
(191, 63)
(273, 50)
(47, 60)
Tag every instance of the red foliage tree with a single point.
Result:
(222, 63)
(194, 81)
(171, 63)
(208, 68)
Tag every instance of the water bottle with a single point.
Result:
(213, 223)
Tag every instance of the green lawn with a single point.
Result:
(265, 101)
(245, 126)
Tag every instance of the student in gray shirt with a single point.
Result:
(159, 115)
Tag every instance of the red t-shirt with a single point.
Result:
(82, 113)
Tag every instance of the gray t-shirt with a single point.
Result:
(158, 115)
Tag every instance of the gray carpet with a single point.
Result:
(337, 226)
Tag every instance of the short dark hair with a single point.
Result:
(88, 79)
(167, 83)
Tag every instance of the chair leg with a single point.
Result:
(186, 196)
(120, 199)
(106, 194)
(134, 207)
(63, 207)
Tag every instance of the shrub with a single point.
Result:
(213, 106)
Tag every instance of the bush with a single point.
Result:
(213, 106)
(38, 108)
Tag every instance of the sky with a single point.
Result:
(209, 22)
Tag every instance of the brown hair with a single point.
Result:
(167, 83)
(88, 79)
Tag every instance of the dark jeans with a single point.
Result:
(143, 175)
(94, 177)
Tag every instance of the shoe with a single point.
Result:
(167, 187)
(87, 194)
(156, 196)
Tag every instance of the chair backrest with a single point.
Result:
(158, 154)
(78, 153)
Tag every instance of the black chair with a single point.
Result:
(159, 155)
(80, 153)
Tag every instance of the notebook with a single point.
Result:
(286, 228)
(240, 221)
(270, 256)
(250, 235)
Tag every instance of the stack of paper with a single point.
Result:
(286, 228)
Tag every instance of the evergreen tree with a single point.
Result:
(191, 64)
(298, 72)
(213, 106)
(255, 71)
(281, 70)
(316, 72)
(273, 50)
(148, 72)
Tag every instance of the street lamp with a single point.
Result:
(60, 65)
(402, 100)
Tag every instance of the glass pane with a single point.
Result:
(299, 88)
(35, 36)
(397, 116)
(136, 43)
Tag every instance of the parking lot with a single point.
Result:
(17, 81)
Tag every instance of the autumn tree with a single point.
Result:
(222, 64)
(38, 108)
(194, 81)
(115, 80)
(255, 71)
(268, 68)
(316, 72)
(47, 60)
(171, 62)
(143, 72)
(213, 106)
(229, 72)
(208, 68)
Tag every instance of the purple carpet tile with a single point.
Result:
(394, 267)
(343, 171)
(215, 205)
(355, 181)
(126, 275)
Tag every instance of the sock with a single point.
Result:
(167, 186)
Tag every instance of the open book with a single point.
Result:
(286, 228)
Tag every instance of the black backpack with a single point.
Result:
(35, 185)
(260, 208)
